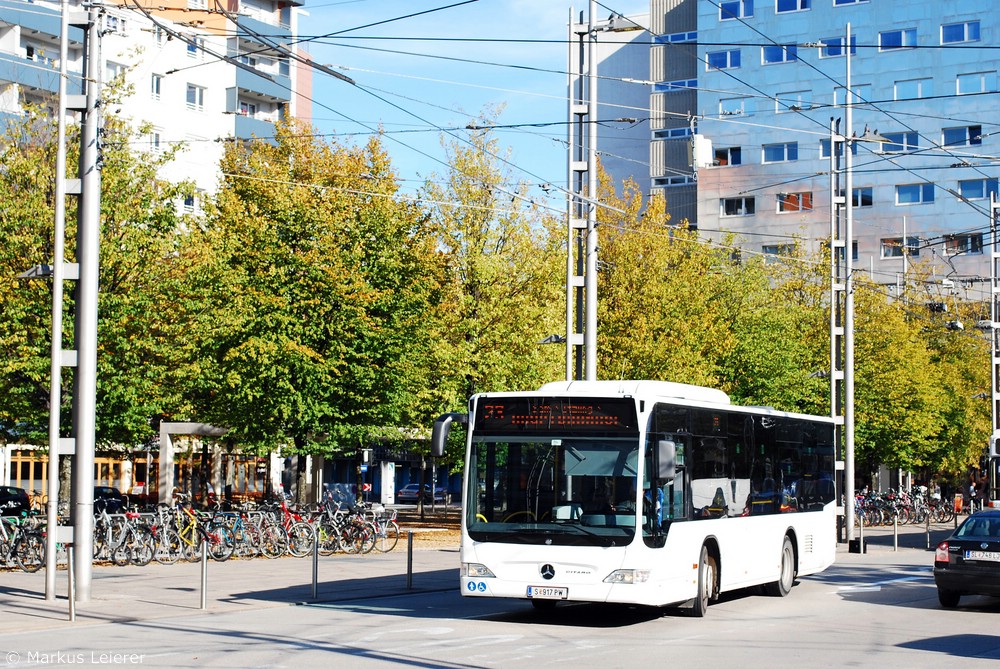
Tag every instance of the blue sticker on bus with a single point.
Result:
(482, 587)
(471, 587)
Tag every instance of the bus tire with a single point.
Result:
(706, 583)
(786, 577)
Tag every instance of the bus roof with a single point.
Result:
(664, 389)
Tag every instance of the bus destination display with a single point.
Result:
(562, 415)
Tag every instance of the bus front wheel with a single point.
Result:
(706, 583)
(786, 577)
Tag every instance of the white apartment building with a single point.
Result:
(201, 74)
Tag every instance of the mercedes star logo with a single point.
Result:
(548, 571)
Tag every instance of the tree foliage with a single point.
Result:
(319, 284)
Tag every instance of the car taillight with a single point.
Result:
(941, 553)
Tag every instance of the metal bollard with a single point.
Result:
(72, 582)
(927, 529)
(315, 556)
(204, 574)
(409, 560)
(895, 533)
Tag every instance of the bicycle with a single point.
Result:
(193, 530)
(23, 543)
(386, 530)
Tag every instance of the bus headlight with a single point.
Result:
(627, 576)
(476, 570)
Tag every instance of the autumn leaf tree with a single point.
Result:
(320, 284)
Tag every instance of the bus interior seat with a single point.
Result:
(567, 512)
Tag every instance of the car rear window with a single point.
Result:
(980, 527)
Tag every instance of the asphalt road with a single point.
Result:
(877, 609)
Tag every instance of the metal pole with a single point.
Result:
(590, 282)
(70, 557)
(315, 562)
(849, 291)
(58, 270)
(572, 80)
(895, 533)
(409, 560)
(85, 381)
(204, 574)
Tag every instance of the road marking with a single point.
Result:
(877, 586)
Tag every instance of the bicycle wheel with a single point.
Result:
(143, 547)
(273, 541)
(328, 542)
(388, 537)
(220, 542)
(168, 548)
(366, 534)
(301, 539)
(29, 551)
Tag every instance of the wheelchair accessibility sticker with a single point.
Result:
(474, 587)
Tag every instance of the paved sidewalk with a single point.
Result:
(121, 594)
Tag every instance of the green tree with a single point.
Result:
(505, 268)
(139, 230)
(319, 285)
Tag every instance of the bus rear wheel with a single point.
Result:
(706, 583)
(786, 577)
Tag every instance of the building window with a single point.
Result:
(792, 5)
(838, 3)
(776, 53)
(914, 194)
(673, 133)
(778, 250)
(674, 86)
(195, 46)
(977, 189)
(910, 89)
(971, 244)
(156, 86)
(732, 155)
(197, 4)
(971, 135)
(952, 33)
(890, 40)
(862, 197)
(155, 141)
(794, 202)
(824, 148)
(733, 107)
(860, 94)
(735, 9)
(248, 108)
(195, 97)
(833, 47)
(781, 153)
(113, 70)
(723, 60)
(792, 101)
(738, 206)
(677, 38)
(893, 247)
(900, 142)
(975, 82)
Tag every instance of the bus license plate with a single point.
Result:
(989, 556)
(545, 592)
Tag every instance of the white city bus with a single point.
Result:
(640, 492)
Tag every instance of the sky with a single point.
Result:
(420, 76)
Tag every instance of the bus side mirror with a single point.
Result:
(442, 426)
(666, 458)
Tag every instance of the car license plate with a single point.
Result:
(545, 592)
(987, 556)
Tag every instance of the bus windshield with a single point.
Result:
(553, 491)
